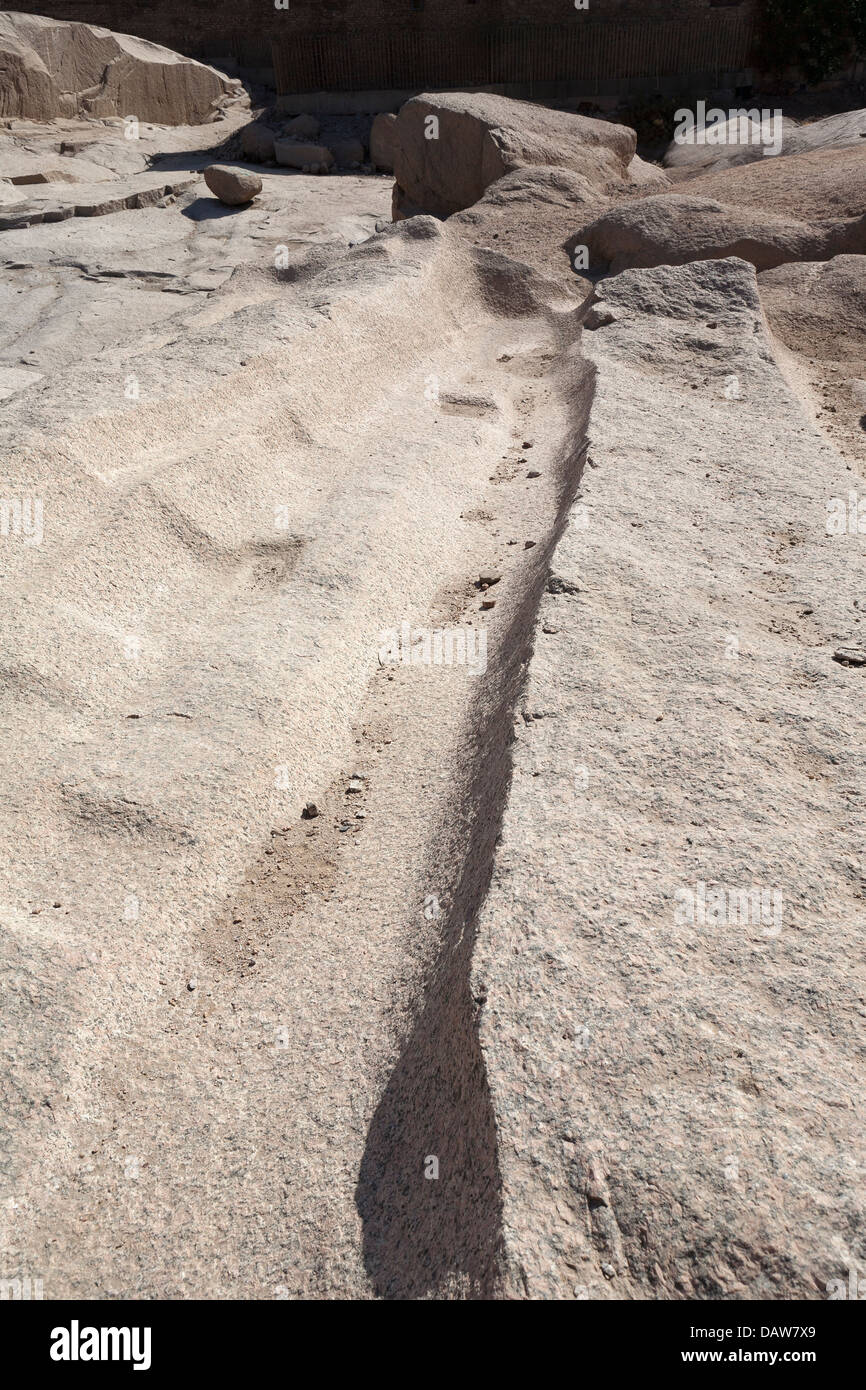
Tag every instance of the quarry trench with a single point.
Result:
(447, 770)
(314, 1113)
(396, 897)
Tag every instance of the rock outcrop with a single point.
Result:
(750, 136)
(675, 1088)
(671, 229)
(530, 214)
(809, 187)
(51, 68)
(817, 312)
(450, 147)
(60, 202)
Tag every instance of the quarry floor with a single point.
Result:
(446, 1037)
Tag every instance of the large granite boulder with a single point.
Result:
(449, 147)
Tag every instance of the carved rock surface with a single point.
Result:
(51, 68)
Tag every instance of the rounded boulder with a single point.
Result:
(232, 186)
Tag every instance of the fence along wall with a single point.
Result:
(590, 54)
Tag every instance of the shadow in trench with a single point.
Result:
(438, 1235)
(442, 1237)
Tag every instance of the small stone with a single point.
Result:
(360, 815)
(234, 187)
(527, 444)
(488, 603)
(527, 545)
(355, 786)
(192, 984)
(608, 1270)
(310, 811)
(489, 579)
(533, 473)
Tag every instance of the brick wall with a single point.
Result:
(445, 34)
